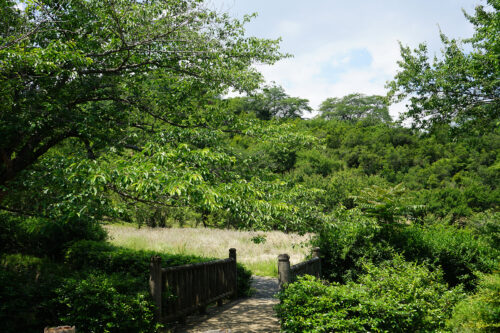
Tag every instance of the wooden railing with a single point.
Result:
(182, 290)
(288, 274)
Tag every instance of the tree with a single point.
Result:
(110, 105)
(273, 102)
(110, 108)
(461, 88)
(354, 107)
(78, 69)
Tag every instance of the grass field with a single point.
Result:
(260, 258)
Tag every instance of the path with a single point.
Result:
(253, 315)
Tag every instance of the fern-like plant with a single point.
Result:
(388, 204)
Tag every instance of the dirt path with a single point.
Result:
(254, 314)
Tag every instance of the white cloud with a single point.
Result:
(300, 75)
(289, 28)
(322, 33)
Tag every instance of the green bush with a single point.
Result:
(444, 200)
(313, 161)
(487, 226)
(244, 281)
(45, 237)
(347, 242)
(27, 286)
(100, 288)
(479, 312)
(35, 293)
(459, 252)
(95, 304)
(353, 238)
(398, 296)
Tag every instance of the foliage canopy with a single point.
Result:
(354, 107)
(271, 102)
(460, 88)
(115, 101)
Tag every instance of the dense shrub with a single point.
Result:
(353, 238)
(35, 293)
(451, 177)
(487, 226)
(459, 252)
(349, 241)
(27, 286)
(244, 281)
(105, 303)
(479, 312)
(99, 288)
(45, 237)
(315, 162)
(398, 296)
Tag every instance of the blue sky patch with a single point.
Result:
(343, 62)
(359, 58)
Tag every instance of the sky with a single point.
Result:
(342, 47)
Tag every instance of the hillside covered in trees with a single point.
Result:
(117, 111)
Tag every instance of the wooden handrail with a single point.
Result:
(198, 264)
(303, 264)
(180, 290)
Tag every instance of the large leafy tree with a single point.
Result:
(354, 107)
(460, 88)
(106, 103)
(77, 69)
(271, 102)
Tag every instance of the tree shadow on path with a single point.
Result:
(254, 314)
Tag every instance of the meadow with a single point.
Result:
(258, 251)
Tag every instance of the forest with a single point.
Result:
(118, 111)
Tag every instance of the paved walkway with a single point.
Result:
(253, 315)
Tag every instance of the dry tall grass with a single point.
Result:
(260, 258)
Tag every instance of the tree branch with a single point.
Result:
(133, 147)
(136, 199)
(23, 37)
(20, 212)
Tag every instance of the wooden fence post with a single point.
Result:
(232, 255)
(284, 274)
(316, 254)
(155, 284)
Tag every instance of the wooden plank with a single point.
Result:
(189, 291)
(197, 285)
(194, 308)
(213, 284)
(303, 264)
(206, 284)
(200, 264)
(182, 293)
